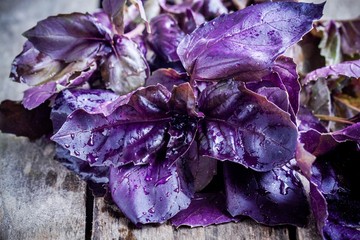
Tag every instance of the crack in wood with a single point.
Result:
(89, 213)
(292, 233)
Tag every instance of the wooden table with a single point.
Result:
(40, 199)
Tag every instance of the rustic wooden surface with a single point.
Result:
(109, 222)
(40, 199)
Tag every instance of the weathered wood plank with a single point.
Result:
(109, 223)
(39, 198)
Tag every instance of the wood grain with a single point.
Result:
(109, 223)
(39, 198)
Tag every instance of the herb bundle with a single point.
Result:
(204, 103)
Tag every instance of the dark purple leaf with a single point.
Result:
(317, 140)
(184, 121)
(133, 132)
(335, 178)
(203, 169)
(141, 43)
(313, 134)
(183, 100)
(92, 101)
(205, 209)
(317, 143)
(74, 74)
(284, 78)
(125, 69)
(135, 128)
(275, 95)
(244, 127)
(272, 198)
(14, 118)
(115, 10)
(47, 76)
(286, 69)
(350, 133)
(336, 231)
(35, 96)
(247, 40)
(348, 69)
(276, 90)
(167, 77)
(307, 121)
(318, 206)
(68, 37)
(165, 36)
(150, 193)
(350, 37)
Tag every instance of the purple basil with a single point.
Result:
(350, 133)
(68, 37)
(205, 209)
(167, 77)
(315, 137)
(33, 67)
(74, 74)
(349, 69)
(202, 169)
(165, 36)
(335, 192)
(135, 128)
(151, 193)
(68, 101)
(199, 122)
(247, 40)
(90, 101)
(244, 127)
(47, 76)
(280, 86)
(125, 69)
(273, 198)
